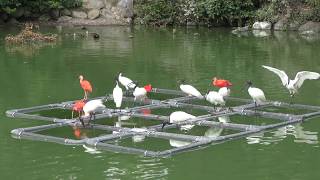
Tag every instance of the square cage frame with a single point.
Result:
(196, 142)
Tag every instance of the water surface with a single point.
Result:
(42, 74)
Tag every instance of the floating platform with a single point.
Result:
(152, 110)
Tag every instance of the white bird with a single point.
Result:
(177, 143)
(91, 106)
(117, 95)
(139, 93)
(190, 90)
(215, 98)
(126, 82)
(179, 116)
(256, 94)
(293, 85)
(224, 91)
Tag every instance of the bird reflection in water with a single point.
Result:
(301, 136)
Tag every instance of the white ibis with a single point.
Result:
(126, 82)
(190, 90)
(117, 95)
(224, 91)
(215, 98)
(177, 117)
(293, 85)
(256, 94)
(141, 92)
(91, 107)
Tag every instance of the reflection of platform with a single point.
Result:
(209, 119)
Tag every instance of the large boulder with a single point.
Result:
(66, 12)
(64, 18)
(94, 4)
(261, 25)
(310, 26)
(93, 14)
(106, 13)
(79, 14)
(281, 25)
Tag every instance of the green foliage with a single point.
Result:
(229, 10)
(271, 10)
(160, 12)
(9, 6)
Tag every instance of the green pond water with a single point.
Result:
(39, 74)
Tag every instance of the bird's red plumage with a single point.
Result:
(86, 86)
(221, 83)
(78, 105)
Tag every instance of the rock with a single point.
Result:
(293, 26)
(106, 13)
(66, 12)
(93, 14)
(12, 21)
(19, 12)
(4, 16)
(94, 4)
(64, 18)
(79, 14)
(54, 13)
(281, 25)
(310, 26)
(262, 25)
(44, 17)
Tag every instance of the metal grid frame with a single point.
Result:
(103, 142)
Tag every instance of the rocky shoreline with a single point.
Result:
(92, 12)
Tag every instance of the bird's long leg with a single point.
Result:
(81, 120)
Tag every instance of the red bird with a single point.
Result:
(148, 87)
(86, 86)
(221, 82)
(78, 107)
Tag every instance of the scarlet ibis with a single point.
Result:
(91, 107)
(190, 90)
(215, 98)
(126, 82)
(141, 92)
(78, 107)
(86, 86)
(179, 116)
(256, 94)
(117, 95)
(221, 82)
(293, 85)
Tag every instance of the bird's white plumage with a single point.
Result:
(256, 94)
(117, 95)
(92, 106)
(139, 93)
(177, 143)
(224, 91)
(293, 85)
(179, 116)
(126, 82)
(190, 90)
(215, 98)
